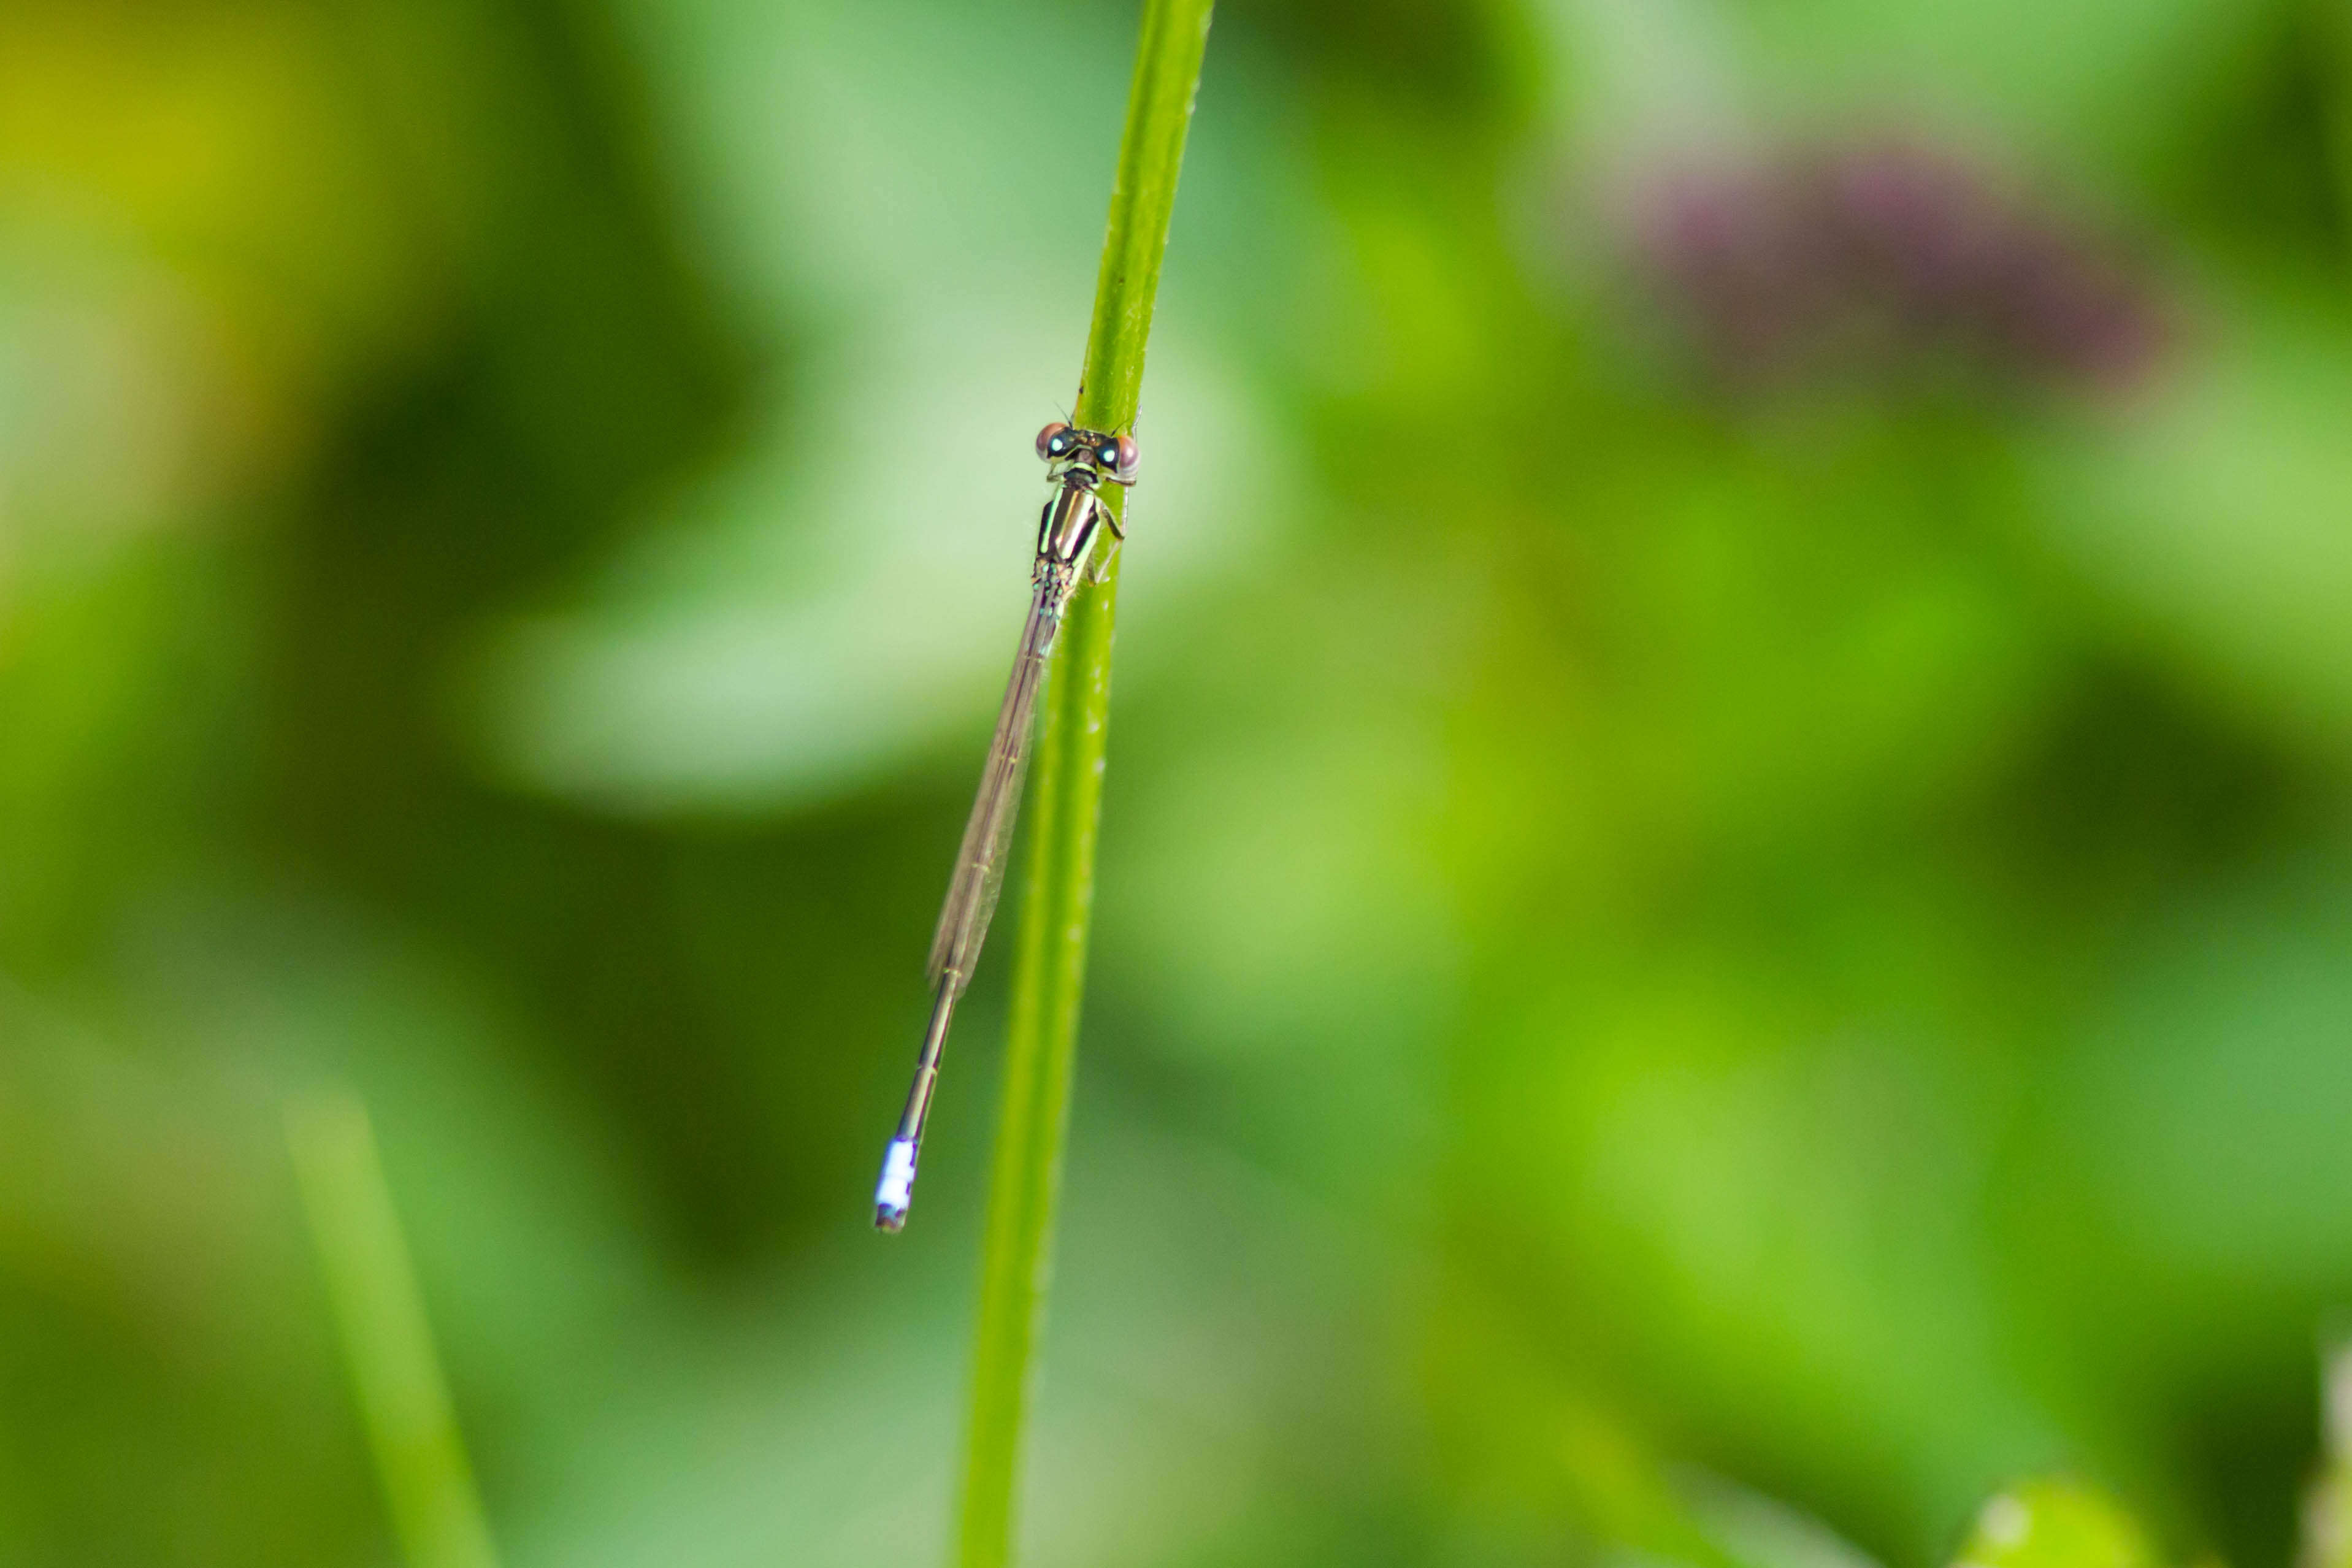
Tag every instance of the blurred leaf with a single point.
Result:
(2219, 515)
(2056, 1523)
(1759, 1532)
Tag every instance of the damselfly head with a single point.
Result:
(1112, 458)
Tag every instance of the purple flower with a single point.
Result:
(1879, 258)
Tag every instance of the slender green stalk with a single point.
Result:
(387, 1345)
(2327, 1503)
(1050, 959)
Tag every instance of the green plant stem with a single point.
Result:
(387, 1344)
(1050, 955)
(2327, 1501)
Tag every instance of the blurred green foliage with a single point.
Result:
(2045, 1524)
(1671, 914)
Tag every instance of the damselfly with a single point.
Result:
(1078, 462)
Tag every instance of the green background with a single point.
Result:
(1792, 915)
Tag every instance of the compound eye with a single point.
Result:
(1054, 441)
(1127, 457)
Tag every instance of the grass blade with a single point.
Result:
(2328, 1504)
(1050, 955)
(387, 1345)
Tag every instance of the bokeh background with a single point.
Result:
(1726, 833)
